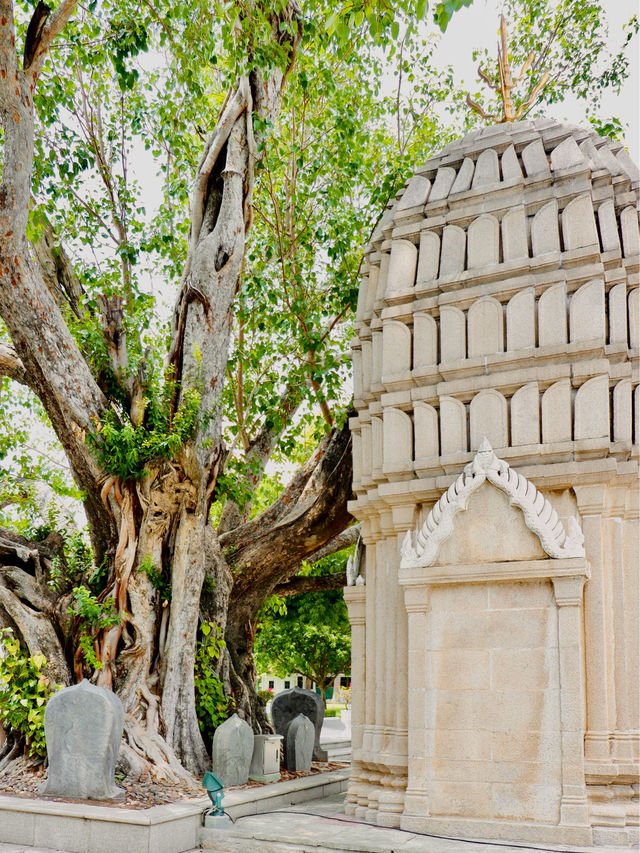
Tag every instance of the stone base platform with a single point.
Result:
(83, 828)
(321, 826)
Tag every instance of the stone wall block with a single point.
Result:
(609, 237)
(453, 251)
(425, 426)
(628, 166)
(545, 236)
(535, 159)
(483, 242)
(382, 278)
(384, 224)
(429, 257)
(397, 439)
(630, 232)
(579, 224)
(416, 193)
(591, 418)
(396, 348)
(636, 415)
(464, 177)
(425, 340)
(600, 158)
(515, 241)
(356, 449)
(367, 366)
(521, 320)
(552, 316)
(511, 170)
(453, 426)
(488, 417)
(402, 266)
(367, 455)
(567, 155)
(362, 297)
(556, 413)
(634, 318)
(525, 415)
(618, 314)
(586, 312)
(372, 290)
(487, 171)
(452, 334)
(356, 361)
(377, 447)
(622, 414)
(445, 176)
(376, 359)
(486, 327)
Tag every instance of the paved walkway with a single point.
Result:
(319, 826)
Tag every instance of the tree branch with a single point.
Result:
(10, 364)
(272, 553)
(8, 60)
(57, 270)
(342, 540)
(311, 583)
(278, 509)
(51, 29)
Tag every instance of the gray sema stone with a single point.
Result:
(289, 704)
(232, 750)
(83, 726)
(299, 743)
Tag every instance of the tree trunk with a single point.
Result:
(160, 526)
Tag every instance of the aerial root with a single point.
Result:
(159, 759)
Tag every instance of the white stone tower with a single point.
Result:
(495, 656)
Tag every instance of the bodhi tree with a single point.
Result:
(271, 175)
(139, 412)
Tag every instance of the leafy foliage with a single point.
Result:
(126, 450)
(24, 692)
(160, 579)
(212, 706)
(91, 615)
(569, 39)
(310, 634)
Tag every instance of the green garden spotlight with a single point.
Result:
(214, 789)
(215, 818)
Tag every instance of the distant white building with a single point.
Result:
(271, 682)
(275, 685)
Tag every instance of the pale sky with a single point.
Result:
(477, 26)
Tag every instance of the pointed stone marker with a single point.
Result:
(83, 726)
(289, 704)
(231, 751)
(299, 742)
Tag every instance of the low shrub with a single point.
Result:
(24, 693)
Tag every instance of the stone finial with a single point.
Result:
(507, 83)
(83, 726)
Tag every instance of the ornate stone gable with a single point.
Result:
(539, 516)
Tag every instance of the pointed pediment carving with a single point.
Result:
(421, 549)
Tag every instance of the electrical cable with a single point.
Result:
(412, 832)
